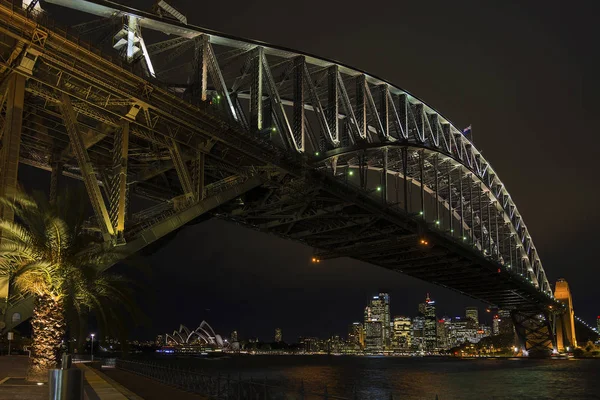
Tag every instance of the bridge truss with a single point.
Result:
(309, 149)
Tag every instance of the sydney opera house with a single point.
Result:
(201, 340)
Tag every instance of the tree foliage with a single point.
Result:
(46, 253)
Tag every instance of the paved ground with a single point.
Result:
(147, 388)
(18, 389)
(106, 384)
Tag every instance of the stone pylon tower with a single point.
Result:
(565, 323)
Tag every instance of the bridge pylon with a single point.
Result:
(565, 321)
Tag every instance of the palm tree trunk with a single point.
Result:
(48, 325)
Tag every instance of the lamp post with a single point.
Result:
(92, 350)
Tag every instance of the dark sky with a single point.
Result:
(523, 74)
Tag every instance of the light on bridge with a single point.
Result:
(420, 212)
(379, 188)
(274, 129)
(317, 153)
(350, 173)
(424, 242)
(316, 260)
(437, 222)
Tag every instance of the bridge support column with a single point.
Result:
(565, 322)
(87, 169)
(256, 92)
(535, 332)
(9, 156)
(384, 177)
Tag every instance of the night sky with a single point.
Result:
(523, 74)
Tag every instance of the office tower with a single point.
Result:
(402, 333)
(374, 336)
(378, 310)
(356, 335)
(427, 310)
(496, 325)
(278, 335)
(418, 340)
(234, 336)
(472, 313)
(443, 327)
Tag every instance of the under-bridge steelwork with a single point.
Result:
(164, 132)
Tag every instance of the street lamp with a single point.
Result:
(92, 350)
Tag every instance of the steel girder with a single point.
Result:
(343, 121)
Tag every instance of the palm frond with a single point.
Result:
(57, 236)
(16, 232)
(18, 250)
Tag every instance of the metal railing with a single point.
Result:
(233, 388)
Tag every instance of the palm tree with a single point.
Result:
(46, 254)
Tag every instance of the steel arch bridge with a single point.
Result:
(163, 133)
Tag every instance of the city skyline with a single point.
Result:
(371, 313)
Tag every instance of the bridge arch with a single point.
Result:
(318, 108)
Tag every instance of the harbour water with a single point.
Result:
(415, 377)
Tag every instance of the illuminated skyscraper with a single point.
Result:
(374, 336)
(402, 333)
(472, 313)
(278, 335)
(427, 310)
(598, 324)
(378, 310)
(234, 336)
(356, 335)
(496, 325)
(443, 333)
(418, 339)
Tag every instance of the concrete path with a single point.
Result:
(105, 384)
(12, 380)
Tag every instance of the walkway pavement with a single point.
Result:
(107, 384)
(13, 385)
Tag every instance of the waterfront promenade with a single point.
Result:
(99, 385)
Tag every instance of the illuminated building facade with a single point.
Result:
(461, 331)
(472, 313)
(496, 325)
(278, 335)
(418, 339)
(427, 310)
(356, 336)
(505, 325)
(201, 339)
(160, 340)
(443, 328)
(402, 333)
(374, 336)
(378, 310)
(234, 336)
